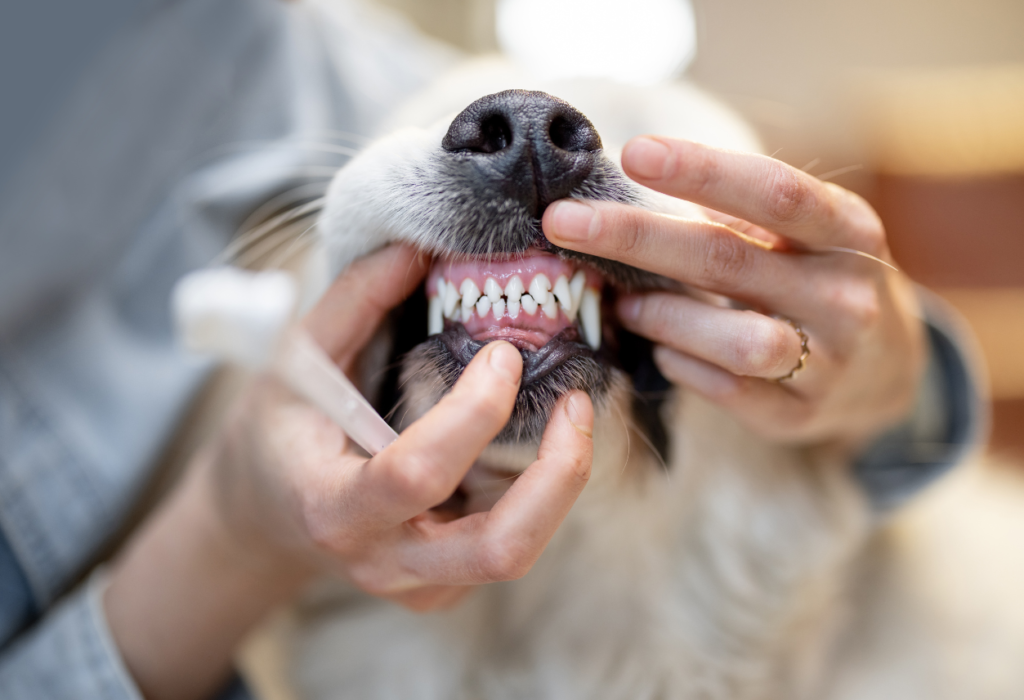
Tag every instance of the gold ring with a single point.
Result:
(805, 351)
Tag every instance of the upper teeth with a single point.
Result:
(572, 296)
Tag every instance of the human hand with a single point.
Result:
(280, 496)
(763, 245)
(289, 486)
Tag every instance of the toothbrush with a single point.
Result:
(244, 317)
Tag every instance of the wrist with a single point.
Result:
(186, 591)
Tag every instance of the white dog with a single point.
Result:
(700, 561)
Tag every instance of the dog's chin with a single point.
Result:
(561, 365)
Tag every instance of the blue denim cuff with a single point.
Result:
(69, 654)
(948, 421)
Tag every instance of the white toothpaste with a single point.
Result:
(244, 317)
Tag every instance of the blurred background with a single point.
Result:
(918, 105)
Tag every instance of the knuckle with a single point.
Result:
(863, 222)
(502, 560)
(417, 477)
(790, 196)
(862, 303)
(764, 348)
(702, 168)
(726, 258)
(634, 228)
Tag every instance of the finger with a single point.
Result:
(425, 464)
(758, 189)
(348, 314)
(503, 543)
(699, 253)
(774, 411)
(429, 598)
(745, 343)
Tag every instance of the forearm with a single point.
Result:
(185, 592)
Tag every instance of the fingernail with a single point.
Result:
(573, 220)
(629, 308)
(506, 361)
(645, 157)
(580, 412)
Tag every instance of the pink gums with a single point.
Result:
(525, 331)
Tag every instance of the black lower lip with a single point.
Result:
(538, 364)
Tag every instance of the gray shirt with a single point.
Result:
(203, 110)
(199, 112)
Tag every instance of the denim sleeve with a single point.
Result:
(70, 652)
(948, 420)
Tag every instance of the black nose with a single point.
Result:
(529, 146)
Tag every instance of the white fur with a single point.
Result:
(723, 575)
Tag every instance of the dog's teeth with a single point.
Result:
(514, 290)
(562, 293)
(498, 308)
(465, 314)
(513, 308)
(539, 288)
(529, 304)
(579, 281)
(470, 293)
(435, 314)
(493, 290)
(590, 317)
(451, 299)
(550, 307)
(483, 307)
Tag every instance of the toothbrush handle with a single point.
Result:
(308, 370)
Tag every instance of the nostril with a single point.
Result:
(573, 134)
(496, 133)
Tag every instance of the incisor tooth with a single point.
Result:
(529, 304)
(579, 281)
(513, 308)
(590, 317)
(514, 289)
(435, 315)
(562, 293)
(493, 290)
(550, 307)
(539, 288)
(466, 313)
(451, 299)
(498, 308)
(470, 293)
(483, 307)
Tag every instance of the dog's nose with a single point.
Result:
(529, 146)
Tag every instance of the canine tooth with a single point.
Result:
(579, 281)
(435, 314)
(470, 294)
(562, 293)
(483, 307)
(539, 288)
(529, 304)
(550, 307)
(498, 308)
(590, 317)
(451, 299)
(514, 289)
(493, 290)
(513, 308)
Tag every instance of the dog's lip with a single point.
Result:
(536, 363)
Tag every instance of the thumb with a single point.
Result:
(348, 314)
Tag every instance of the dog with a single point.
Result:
(701, 561)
